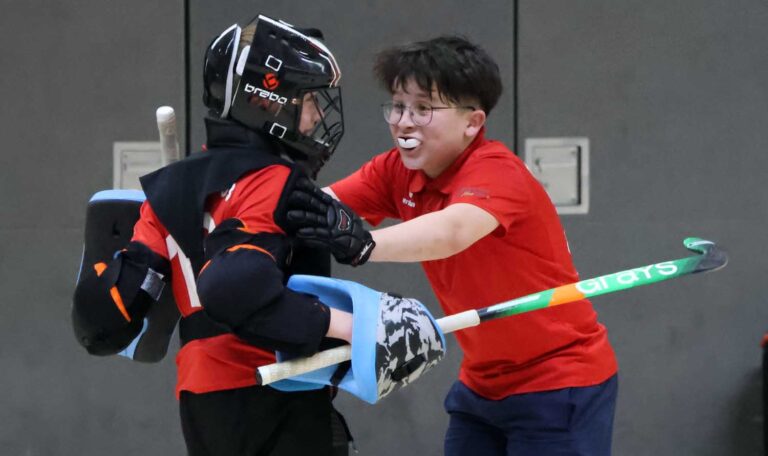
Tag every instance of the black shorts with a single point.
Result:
(258, 421)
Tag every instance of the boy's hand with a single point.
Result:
(319, 220)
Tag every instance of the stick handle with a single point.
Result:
(169, 141)
(287, 369)
(459, 321)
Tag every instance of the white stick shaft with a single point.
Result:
(458, 321)
(169, 140)
(280, 371)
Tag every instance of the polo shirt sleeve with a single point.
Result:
(368, 191)
(495, 183)
(255, 197)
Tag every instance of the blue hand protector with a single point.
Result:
(394, 340)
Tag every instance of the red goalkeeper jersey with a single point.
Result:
(224, 361)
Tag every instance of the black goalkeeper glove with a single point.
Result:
(319, 220)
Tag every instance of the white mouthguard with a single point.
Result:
(408, 143)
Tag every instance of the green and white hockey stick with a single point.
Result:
(709, 258)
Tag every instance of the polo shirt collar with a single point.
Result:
(420, 181)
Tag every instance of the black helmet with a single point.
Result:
(262, 74)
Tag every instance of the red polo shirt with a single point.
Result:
(548, 349)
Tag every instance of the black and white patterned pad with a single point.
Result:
(405, 332)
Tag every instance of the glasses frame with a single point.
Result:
(390, 107)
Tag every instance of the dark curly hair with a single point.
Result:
(458, 69)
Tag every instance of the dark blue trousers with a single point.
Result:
(569, 421)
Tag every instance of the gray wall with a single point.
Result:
(674, 98)
(76, 76)
(671, 94)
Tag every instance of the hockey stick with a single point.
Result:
(166, 127)
(709, 258)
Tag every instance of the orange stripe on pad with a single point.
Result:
(100, 268)
(564, 294)
(250, 247)
(119, 302)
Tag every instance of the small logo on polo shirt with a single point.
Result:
(408, 201)
(472, 191)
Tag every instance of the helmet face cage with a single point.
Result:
(325, 128)
(263, 72)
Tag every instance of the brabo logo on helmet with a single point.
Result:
(270, 81)
(271, 96)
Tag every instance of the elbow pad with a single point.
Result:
(111, 299)
(242, 287)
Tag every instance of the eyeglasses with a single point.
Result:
(421, 113)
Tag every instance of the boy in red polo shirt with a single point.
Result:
(484, 231)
